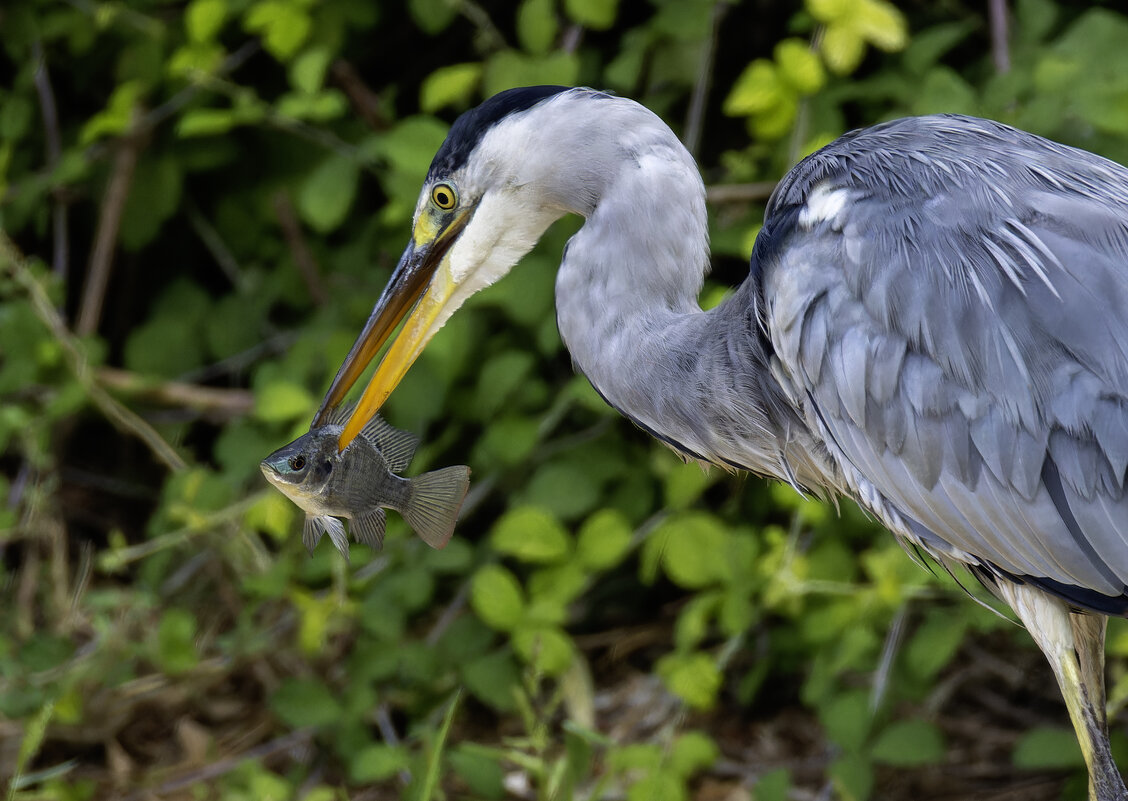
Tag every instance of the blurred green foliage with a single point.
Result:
(608, 622)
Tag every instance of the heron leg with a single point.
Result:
(1074, 645)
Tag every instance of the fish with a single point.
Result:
(359, 482)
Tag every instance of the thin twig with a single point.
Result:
(109, 223)
(491, 38)
(12, 261)
(237, 362)
(149, 121)
(299, 248)
(740, 193)
(1000, 47)
(295, 739)
(214, 402)
(59, 256)
(893, 639)
(694, 122)
(216, 246)
(364, 101)
(572, 38)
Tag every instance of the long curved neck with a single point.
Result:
(627, 309)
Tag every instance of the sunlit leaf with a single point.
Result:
(328, 192)
(449, 86)
(497, 597)
(203, 19)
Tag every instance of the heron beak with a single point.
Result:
(417, 285)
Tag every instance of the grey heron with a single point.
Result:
(935, 324)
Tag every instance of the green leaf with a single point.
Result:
(508, 68)
(799, 66)
(565, 488)
(934, 644)
(756, 90)
(1045, 748)
(327, 193)
(377, 762)
(176, 642)
(483, 774)
(493, 679)
(842, 48)
(692, 752)
(284, 26)
(531, 534)
(852, 776)
(909, 742)
(205, 122)
(775, 785)
(847, 719)
(604, 539)
(693, 677)
(272, 513)
(203, 19)
(153, 198)
(433, 16)
(307, 71)
(881, 24)
(694, 549)
(497, 598)
(305, 702)
(118, 115)
(283, 401)
(657, 786)
(499, 378)
(683, 482)
(536, 25)
(547, 648)
(453, 85)
(596, 14)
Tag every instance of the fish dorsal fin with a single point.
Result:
(395, 445)
(340, 415)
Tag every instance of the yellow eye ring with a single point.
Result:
(444, 196)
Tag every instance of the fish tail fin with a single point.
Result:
(369, 528)
(435, 501)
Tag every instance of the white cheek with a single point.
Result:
(501, 231)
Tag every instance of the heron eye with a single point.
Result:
(443, 196)
(297, 462)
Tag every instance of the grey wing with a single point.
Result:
(947, 299)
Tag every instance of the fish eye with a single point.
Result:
(297, 462)
(444, 196)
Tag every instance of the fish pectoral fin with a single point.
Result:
(369, 528)
(336, 531)
(396, 446)
(435, 501)
(312, 529)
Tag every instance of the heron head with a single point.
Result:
(492, 190)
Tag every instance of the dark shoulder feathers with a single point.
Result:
(468, 129)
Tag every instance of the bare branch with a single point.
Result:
(215, 403)
(694, 122)
(299, 248)
(109, 223)
(13, 262)
(364, 101)
(740, 193)
(1000, 47)
(60, 255)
